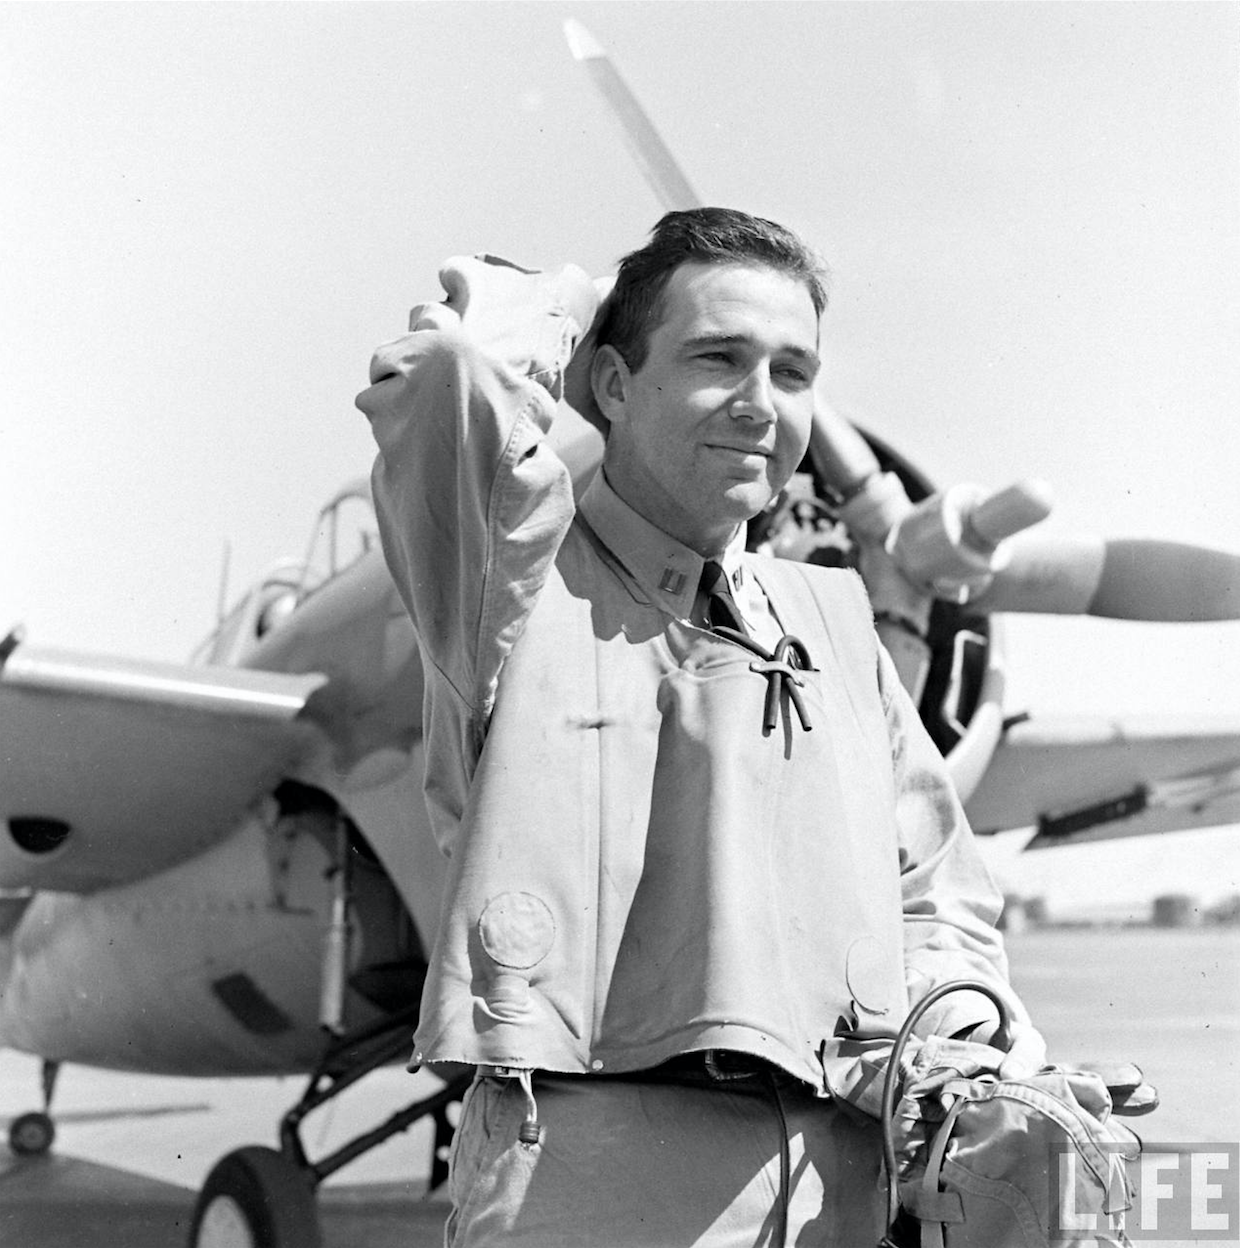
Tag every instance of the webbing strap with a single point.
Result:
(892, 1076)
(932, 1227)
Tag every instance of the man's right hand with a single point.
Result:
(530, 320)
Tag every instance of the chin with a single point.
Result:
(747, 500)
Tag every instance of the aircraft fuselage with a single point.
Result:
(209, 968)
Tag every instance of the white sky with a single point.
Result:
(211, 213)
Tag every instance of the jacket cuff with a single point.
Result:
(961, 1015)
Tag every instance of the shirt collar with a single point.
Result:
(665, 570)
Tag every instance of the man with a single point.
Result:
(693, 863)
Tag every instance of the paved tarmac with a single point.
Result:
(132, 1151)
(65, 1202)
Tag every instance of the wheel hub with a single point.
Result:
(224, 1225)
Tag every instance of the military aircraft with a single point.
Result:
(261, 899)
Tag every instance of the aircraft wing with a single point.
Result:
(113, 769)
(1085, 779)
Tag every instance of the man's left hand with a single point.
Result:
(1026, 1054)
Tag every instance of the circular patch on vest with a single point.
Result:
(517, 930)
(865, 969)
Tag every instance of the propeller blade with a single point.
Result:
(1144, 579)
(1119, 578)
(657, 163)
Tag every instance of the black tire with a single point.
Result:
(31, 1135)
(255, 1198)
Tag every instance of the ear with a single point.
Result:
(609, 379)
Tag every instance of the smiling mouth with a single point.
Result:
(742, 450)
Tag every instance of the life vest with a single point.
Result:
(642, 870)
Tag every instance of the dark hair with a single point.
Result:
(702, 236)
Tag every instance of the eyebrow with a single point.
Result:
(731, 340)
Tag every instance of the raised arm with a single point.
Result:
(472, 504)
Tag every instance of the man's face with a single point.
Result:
(717, 418)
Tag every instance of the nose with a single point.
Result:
(755, 397)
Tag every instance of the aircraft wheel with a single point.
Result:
(255, 1198)
(31, 1135)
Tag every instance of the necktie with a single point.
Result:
(721, 608)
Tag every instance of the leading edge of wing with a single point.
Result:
(1085, 778)
(113, 769)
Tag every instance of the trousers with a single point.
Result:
(624, 1163)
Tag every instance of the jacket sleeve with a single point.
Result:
(950, 901)
(472, 504)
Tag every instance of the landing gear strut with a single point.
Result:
(264, 1198)
(32, 1134)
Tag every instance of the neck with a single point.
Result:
(713, 550)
